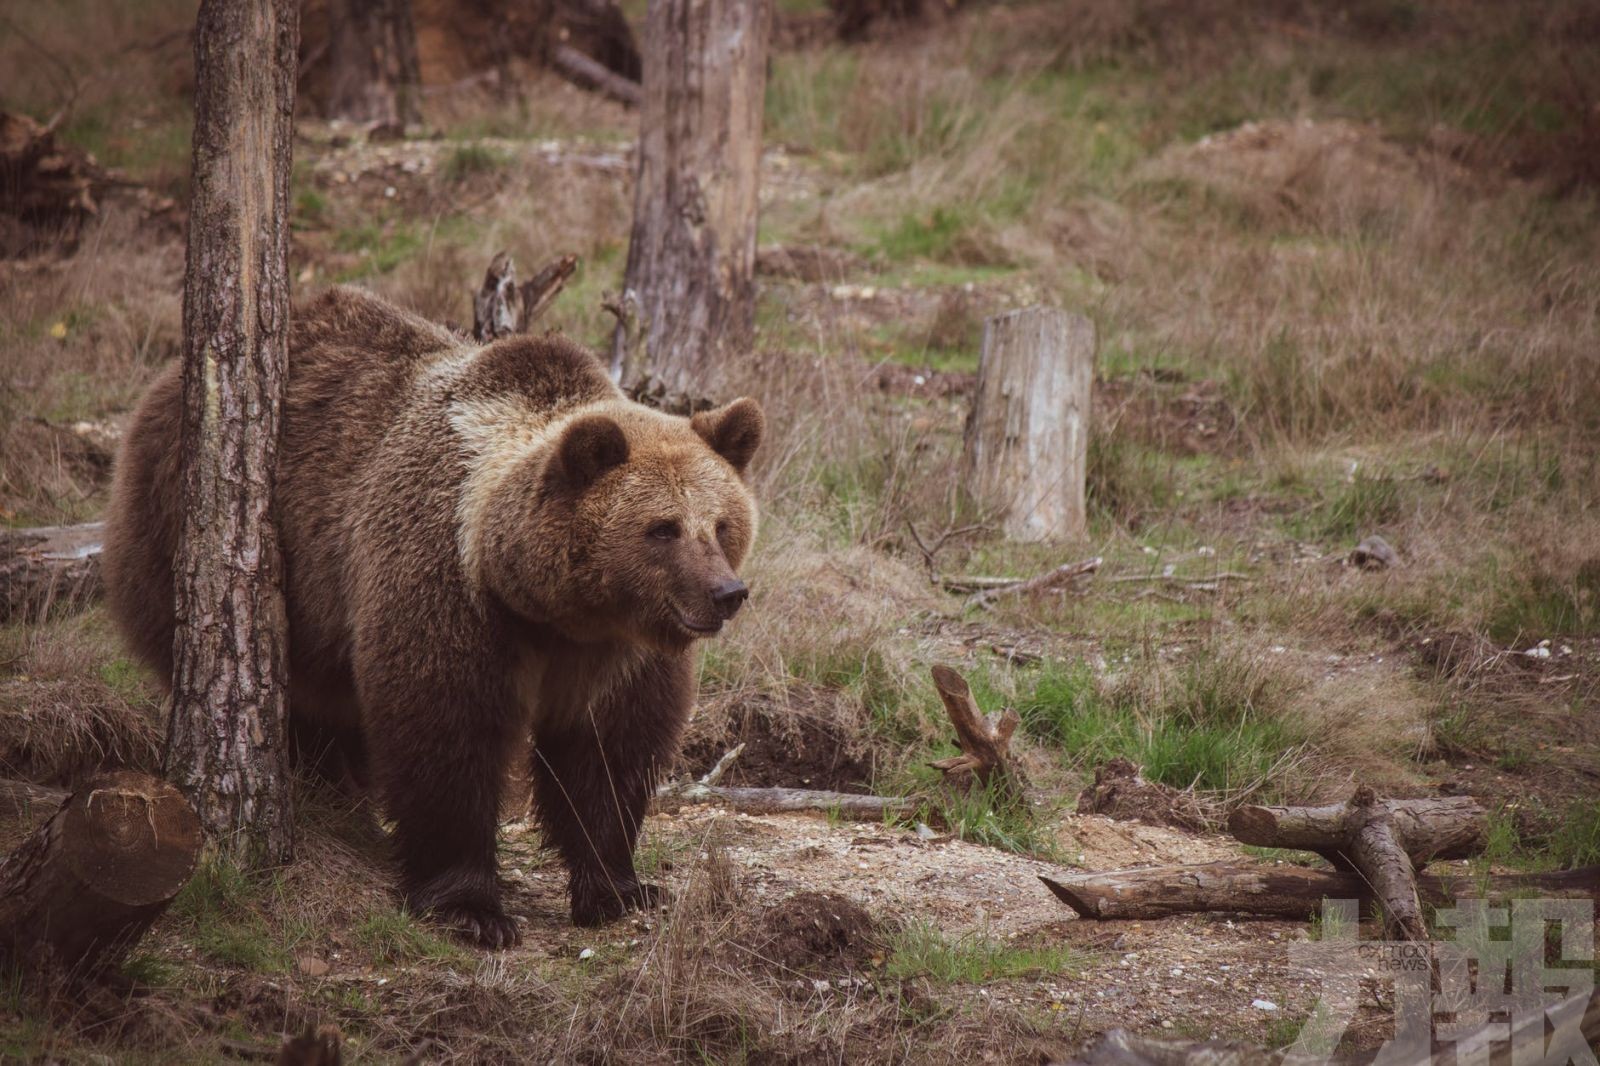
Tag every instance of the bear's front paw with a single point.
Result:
(469, 908)
(596, 904)
(485, 925)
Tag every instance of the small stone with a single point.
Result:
(585, 954)
(1264, 1004)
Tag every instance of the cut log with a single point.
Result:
(88, 883)
(1448, 827)
(48, 568)
(1026, 452)
(985, 742)
(1291, 892)
(692, 249)
(501, 307)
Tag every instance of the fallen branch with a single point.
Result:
(1173, 579)
(588, 73)
(1292, 892)
(1448, 827)
(1039, 583)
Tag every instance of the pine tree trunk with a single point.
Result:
(226, 747)
(373, 54)
(691, 256)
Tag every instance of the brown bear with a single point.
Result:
(477, 542)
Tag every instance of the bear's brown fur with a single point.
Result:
(476, 542)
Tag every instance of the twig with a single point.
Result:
(1064, 572)
(929, 554)
(1214, 579)
(714, 775)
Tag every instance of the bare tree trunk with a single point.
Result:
(226, 747)
(691, 256)
(375, 75)
(1027, 445)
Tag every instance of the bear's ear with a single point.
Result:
(733, 431)
(589, 447)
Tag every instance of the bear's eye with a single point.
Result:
(663, 530)
(722, 529)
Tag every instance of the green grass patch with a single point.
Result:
(1576, 840)
(922, 950)
(1219, 721)
(471, 160)
(396, 937)
(225, 908)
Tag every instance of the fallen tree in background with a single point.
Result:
(49, 568)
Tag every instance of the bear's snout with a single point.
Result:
(728, 597)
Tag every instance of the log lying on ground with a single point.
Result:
(591, 74)
(1048, 580)
(985, 742)
(49, 567)
(1384, 840)
(1447, 827)
(88, 883)
(501, 307)
(1290, 892)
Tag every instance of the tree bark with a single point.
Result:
(226, 745)
(1026, 452)
(1291, 892)
(375, 75)
(88, 883)
(1449, 827)
(691, 255)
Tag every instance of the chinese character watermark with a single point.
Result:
(1518, 976)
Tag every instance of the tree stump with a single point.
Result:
(501, 307)
(1027, 442)
(985, 741)
(691, 255)
(227, 747)
(89, 882)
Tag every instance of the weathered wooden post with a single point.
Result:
(1027, 444)
(690, 283)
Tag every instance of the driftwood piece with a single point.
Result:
(1447, 827)
(48, 567)
(1291, 892)
(589, 73)
(985, 742)
(88, 883)
(502, 307)
(1039, 583)
(1025, 454)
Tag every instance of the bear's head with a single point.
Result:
(631, 524)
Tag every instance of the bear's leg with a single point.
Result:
(437, 752)
(593, 778)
